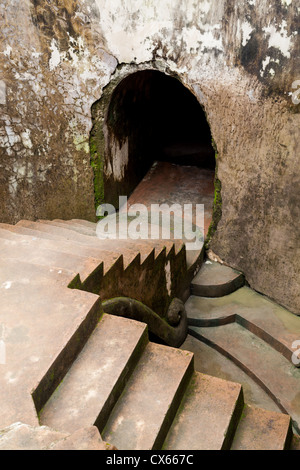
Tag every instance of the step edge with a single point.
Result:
(135, 351)
(166, 421)
(218, 290)
(234, 418)
(289, 431)
(119, 387)
(234, 421)
(65, 358)
(176, 401)
(65, 225)
(247, 370)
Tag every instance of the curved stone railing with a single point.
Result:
(172, 330)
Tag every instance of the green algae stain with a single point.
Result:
(217, 204)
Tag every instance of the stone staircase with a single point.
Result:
(45, 324)
(105, 267)
(249, 329)
(143, 395)
(70, 366)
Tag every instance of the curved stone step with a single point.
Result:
(209, 361)
(262, 430)
(144, 412)
(97, 377)
(295, 442)
(277, 376)
(255, 312)
(216, 280)
(208, 415)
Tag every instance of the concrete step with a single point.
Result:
(109, 268)
(82, 229)
(277, 376)
(97, 377)
(216, 280)
(58, 254)
(44, 326)
(64, 233)
(263, 430)
(43, 240)
(33, 252)
(208, 415)
(255, 312)
(209, 361)
(91, 232)
(125, 247)
(20, 436)
(82, 222)
(144, 412)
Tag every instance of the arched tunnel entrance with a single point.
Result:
(152, 117)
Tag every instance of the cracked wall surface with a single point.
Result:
(239, 58)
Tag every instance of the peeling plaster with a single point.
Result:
(246, 32)
(2, 92)
(7, 51)
(279, 38)
(117, 166)
(25, 136)
(55, 55)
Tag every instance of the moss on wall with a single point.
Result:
(96, 151)
(217, 205)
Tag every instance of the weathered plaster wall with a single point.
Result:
(53, 66)
(240, 58)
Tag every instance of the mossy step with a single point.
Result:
(216, 280)
(262, 430)
(275, 374)
(255, 312)
(97, 377)
(144, 412)
(208, 415)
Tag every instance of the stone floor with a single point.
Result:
(174, 184)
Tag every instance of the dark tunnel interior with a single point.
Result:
(163, 120)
